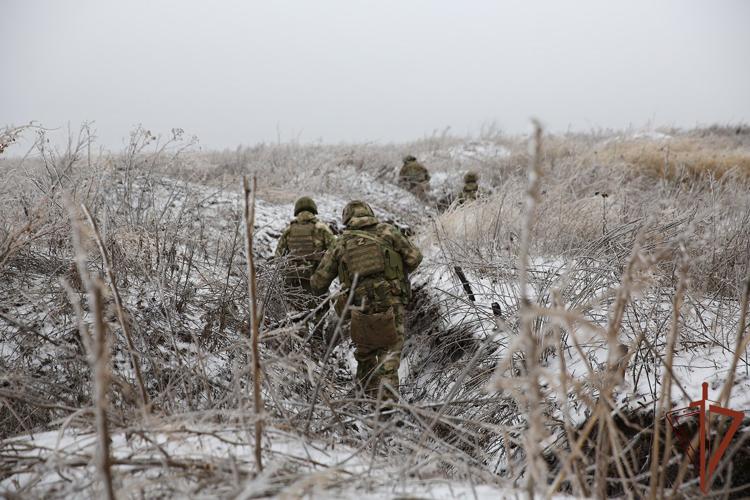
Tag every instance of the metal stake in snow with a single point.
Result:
(254, 321)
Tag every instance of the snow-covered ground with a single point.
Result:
(178, 456)
(702, 353)
(317, 469)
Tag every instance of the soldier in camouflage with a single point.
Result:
(414, 177)
(377, 259)
(304, 242)
(470, 190)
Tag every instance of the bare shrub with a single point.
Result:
(552, 362)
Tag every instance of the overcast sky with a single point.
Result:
(242, 72)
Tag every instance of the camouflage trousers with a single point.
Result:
(376, 367)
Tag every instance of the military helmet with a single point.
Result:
(356, 208)
(471, 176)
(305, 204)
(409, 158)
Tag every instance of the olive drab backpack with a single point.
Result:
(470, 185)
(470, 189)
(369, 256)
(305, 255)
(301, 240)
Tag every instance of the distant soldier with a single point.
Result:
(470, 190)
(380, 259)
(304, 242)
(414, 177)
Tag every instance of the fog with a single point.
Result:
(345, 70)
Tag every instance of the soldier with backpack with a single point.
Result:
(470, 189)
(414, 177)
(303, 243)
(376, 260)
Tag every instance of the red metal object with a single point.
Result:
(679, 418)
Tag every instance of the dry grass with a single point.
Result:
(585, 206)
(169, 239)
(678, 158)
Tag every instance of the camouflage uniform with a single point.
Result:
(304, 242)
(470, 189)
(414, 177)
(381, 258)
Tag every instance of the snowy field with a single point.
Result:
(625, 291)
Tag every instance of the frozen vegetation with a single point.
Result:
(599, 281)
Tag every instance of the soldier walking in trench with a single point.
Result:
(470, 189)
(378, 258)
(414, 177)
(304, 242)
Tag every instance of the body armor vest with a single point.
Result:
(301, 240)
(369, 256)
(471, 187)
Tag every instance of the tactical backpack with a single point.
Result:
(366, 254)
(414, 172)
(301, 240)
(471, 188)
(370, 257)
(305, 256)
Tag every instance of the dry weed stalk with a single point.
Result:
(254, 321)
(101, 376)
(536, 467)
(124, 324)
(659, 465)
(98, 356)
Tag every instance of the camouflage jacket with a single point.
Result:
(379, 290)
(469, 192)
(413, 172)
(308, 250)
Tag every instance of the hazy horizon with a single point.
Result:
(350, 71)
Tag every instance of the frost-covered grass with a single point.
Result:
(606, 275)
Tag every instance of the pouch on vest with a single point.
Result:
(363, 257)
(394, 265)
(301, 240)
(375, 330)
(376, 294)
(340, 304)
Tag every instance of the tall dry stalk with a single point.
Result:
(536, 467)
(98, 356)
(658, 467)
(100, 368)
(135, 363)
(254, 321)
